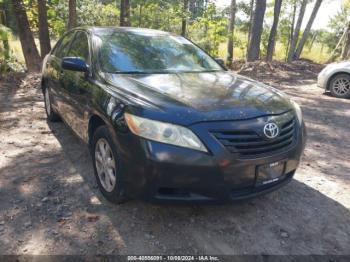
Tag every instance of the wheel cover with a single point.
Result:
(341, 86)
(47, 101)
(105, 165)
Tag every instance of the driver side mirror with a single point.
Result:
(74, 64)
(220, 61)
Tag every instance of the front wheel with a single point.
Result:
(51, 115)
(107, 166)
(340, 86)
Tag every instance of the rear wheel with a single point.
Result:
(340, 86)
(107, 166)
(51, 115)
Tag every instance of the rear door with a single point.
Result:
(53, 67)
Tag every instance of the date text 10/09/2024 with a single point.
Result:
(173, 258)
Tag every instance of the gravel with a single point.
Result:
(308, 216)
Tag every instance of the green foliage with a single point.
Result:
(10, 65)
(8, 62)
(89, 12)
(4, 38)
(207, 23)
(243, 23)
(338, 22)
(151, 14)
(209, 30)
(4, 32)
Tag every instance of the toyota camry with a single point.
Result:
(164, 121)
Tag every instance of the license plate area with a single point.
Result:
(270, 173)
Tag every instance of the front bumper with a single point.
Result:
(322, 80)
(161, 172)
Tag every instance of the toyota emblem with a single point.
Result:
(271, 130)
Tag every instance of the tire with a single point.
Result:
(51, 115)
(339, 86)
(113, 192)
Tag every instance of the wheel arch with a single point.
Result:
(43, 84)
(334, 75)
(95, 122)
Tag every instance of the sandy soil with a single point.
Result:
(50, 204)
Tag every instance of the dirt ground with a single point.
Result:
(50, 204)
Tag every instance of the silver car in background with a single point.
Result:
(335, 78)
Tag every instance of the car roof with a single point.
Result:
(99, 30)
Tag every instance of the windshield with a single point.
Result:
(148, 52)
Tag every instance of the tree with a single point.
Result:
(30, 52)
(197, 8)
(72, 16)
(251, 8)
(209, 30)
(44, 37)
(340, 25)
(272, 36)
(4, 34)
(125, 13)
(346, 43)
(295, 37)
(256, 31)
(307, 29)
(290, 36)
(184, 18)
(231, 27)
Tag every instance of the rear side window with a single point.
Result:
(80, 47)
(61, 49)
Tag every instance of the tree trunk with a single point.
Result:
(312, 41)
(291, 29)
(295, 37)
(184, 18)
(334, 55)
(346, 43)
(122, 15)
(125, 13)
(44, 36)
(257, 27)
(250, 21)
(307, 29)
(72, 16)
(29, 49)
(140, 14)
(192, 8)
(231, 28)
(272, 36)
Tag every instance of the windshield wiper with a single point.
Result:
(163, 72)
(130, 72)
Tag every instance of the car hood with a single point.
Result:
(339, 65)
(197, 97)
(342, 64)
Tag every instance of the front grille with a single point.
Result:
(249, 142)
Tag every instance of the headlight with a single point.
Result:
(163, 132)
(298, 112)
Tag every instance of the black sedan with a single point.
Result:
(165, 121)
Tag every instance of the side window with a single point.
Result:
(80, 47)
(62, 47)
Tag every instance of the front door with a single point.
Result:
(76, 86)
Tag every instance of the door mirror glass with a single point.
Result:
(74, 64)
(220, 61)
